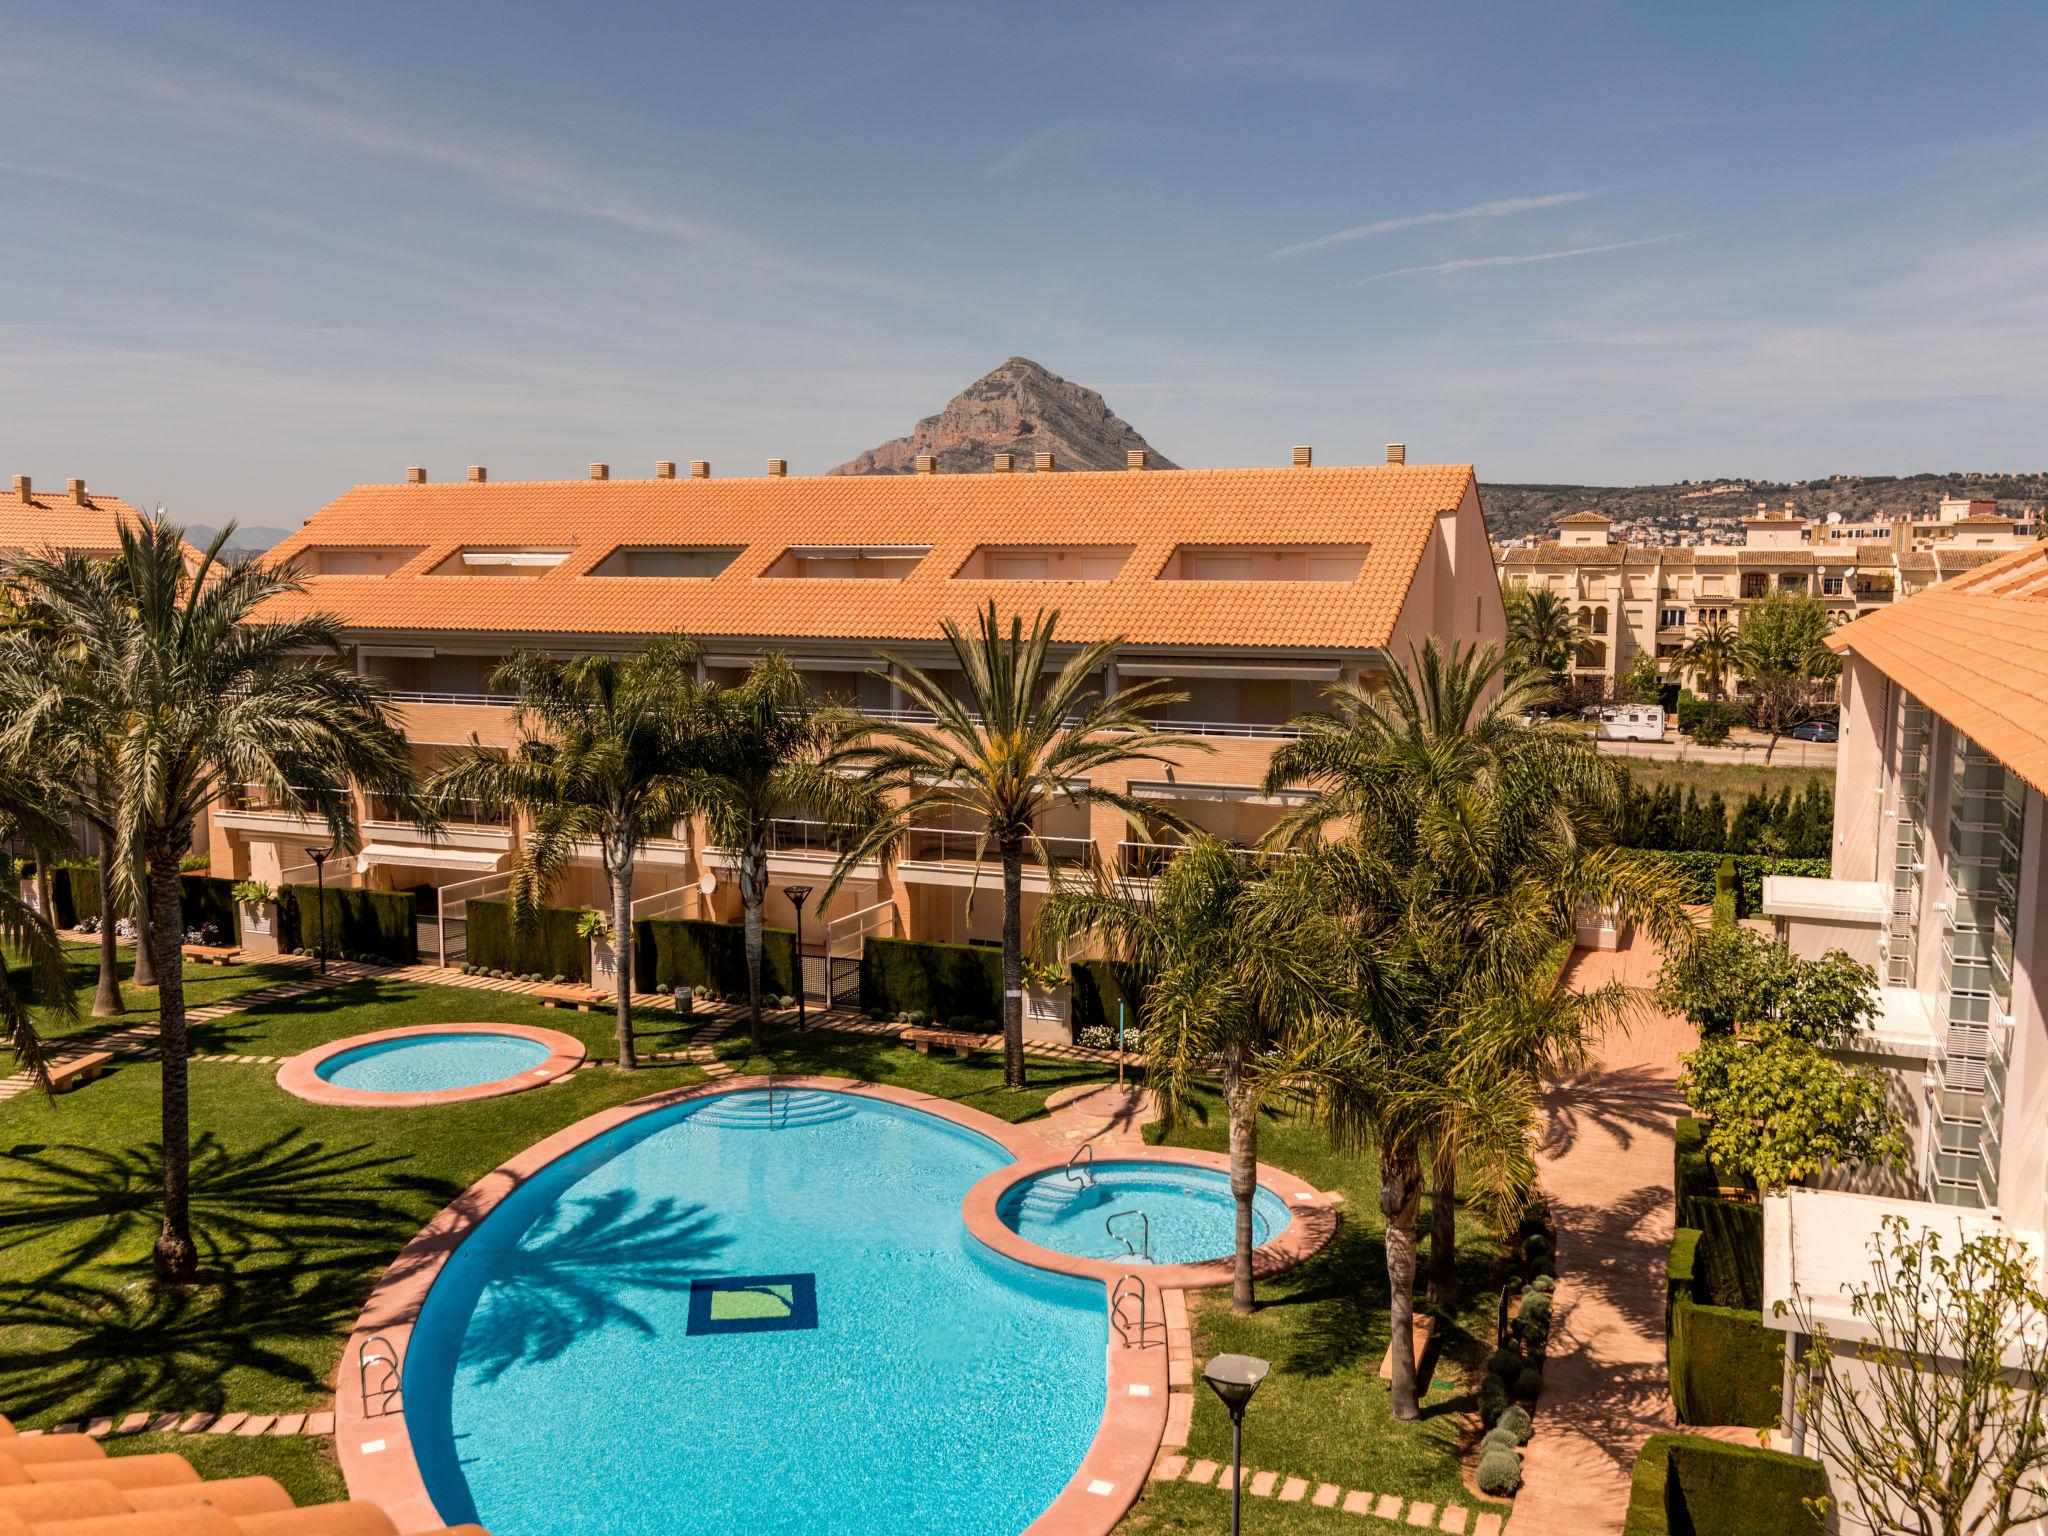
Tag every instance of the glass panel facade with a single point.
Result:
(1901, 944)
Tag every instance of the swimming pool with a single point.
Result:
(745, 1313)
(1131, 1211)
(432, 1063)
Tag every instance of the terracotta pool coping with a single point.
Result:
(376, 1451)
(300, 1074)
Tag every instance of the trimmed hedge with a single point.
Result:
(75, 893)
(1728, 1261)
(1678, 1272)
(548, 946)
(1097, 987)
(1726, 1367)
(356, 921)
(670, 952)
(1695, 873)
(940, 981)
(1693, 1175)
(1688, 1485)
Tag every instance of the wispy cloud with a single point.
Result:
(1064, 138)
(1471, 263)
(1497, 208)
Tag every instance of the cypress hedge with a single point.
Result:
(1678, 1272)
(1693, 1175)
(671, 952)
(1696, 871)
(1728, 1261)
(1688, 1485)
(1726, 1367)
(75, 893)
(1098, 987)
(355, 921)
(549, 945)
(940, 981)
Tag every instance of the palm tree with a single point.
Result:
(766, 757)
(215, 692)
(606, 747)
(1543, 634)
(1710, 655)
(1227, 972)
(1019, 745)
(30, 812)
(1491, 836)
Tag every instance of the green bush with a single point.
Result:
(549, 944)
(75, 893)
(1727, 893)
(357, 921)
(1725, 1366)
(1529, 1385)
(1694, 1177)
(1678, 1270)
(1500, 1472)
(1695, 872)
(1506, 1363)
(1687, 1485)
(1500, 1438)
(1516, 1422)
(1728, 1263)
(671, 952)
(1494, 1400)
(1097, 987)
(936, 980)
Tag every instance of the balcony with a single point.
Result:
(946, 845)
(1148, 861)
(256, 808)
(1224, 728)
(455, 813)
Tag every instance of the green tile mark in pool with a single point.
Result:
(753, 1304)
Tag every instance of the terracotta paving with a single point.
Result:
(1605, 1163)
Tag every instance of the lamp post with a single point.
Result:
(1234, 1378)
(319, 858)
(798, 895)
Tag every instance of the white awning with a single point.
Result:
(1244, 794)
(426, 857)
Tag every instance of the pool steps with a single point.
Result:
(782, 1110)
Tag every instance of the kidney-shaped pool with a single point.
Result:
(752, 1314)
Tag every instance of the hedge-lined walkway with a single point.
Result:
(1605, 1164)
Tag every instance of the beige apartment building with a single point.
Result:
(1250, 590)
(1634, 598)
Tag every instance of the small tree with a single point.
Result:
(1942, 1427)
(1640, 682)
(1781, 653)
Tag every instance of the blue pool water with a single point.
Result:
(431, 1063)
(1188, 1211)
(559, 1381)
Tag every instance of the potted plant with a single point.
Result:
(1047, 1001)
(257, 903)
(596, 930)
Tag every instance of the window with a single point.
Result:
(674, 561)
(1309, 562)
(1671, 618)
(1831, 584)
(480, 560)
(1044, 562)
(848, 562)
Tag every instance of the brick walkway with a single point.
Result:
(1605, 1163)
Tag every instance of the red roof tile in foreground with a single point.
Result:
(54, 520)
(1975, 651)
(67, 1485)
(1391, 508)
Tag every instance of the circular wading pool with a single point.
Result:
(431, 1064)
(1142, 1212)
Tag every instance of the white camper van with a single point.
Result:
(1630, 722)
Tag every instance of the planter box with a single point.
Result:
(604, 966)
(1049, 1014)
(259, 927)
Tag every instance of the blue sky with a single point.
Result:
(258, 252)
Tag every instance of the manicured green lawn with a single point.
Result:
(204, 985)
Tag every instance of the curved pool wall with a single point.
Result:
(553, 1383)
(1094, 1211)
(432, 1063)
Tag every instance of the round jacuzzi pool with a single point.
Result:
(432, 1064)
(1145, 1212)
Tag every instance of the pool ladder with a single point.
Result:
(1081, 1170)
(1127, 1313)
(1142, 1249)
(378, 1357)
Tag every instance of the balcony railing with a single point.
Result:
(1148, 861)
(792, 835)
(491, 700)
(1234, 728)
(455, 811)
(944, 845)
(262, 800)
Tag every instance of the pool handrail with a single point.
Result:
(1143, 1250)
(389, 1396)
(1086, 1175)
(1126, 1292)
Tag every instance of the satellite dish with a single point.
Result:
(708, 883)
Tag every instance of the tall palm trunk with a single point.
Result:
(177, 1261)
(753, 893)
(622, 950)
(145, 924)
(46, 895)
(106, 1002)
(1244, 1173)
(1013, 964)
(1443, 1237)
(1400, 1203)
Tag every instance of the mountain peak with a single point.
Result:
(1021, 408)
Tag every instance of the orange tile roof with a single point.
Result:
(52, 520)
(57, 1485)
(1975, 651)
(1392, 508)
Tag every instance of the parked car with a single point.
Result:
(1815, 730)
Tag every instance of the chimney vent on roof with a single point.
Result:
(778, 468)
(1304, 455)
(665, 469)
(700, 469)
(1041, 461)
(478, 474)
(1005, 463)
(415, 476)
(23, 488)
(77, 490)
(600, 471)
(927, 464)
(1397, 453)
(1134, 458)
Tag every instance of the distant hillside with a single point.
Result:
(1020, 408)
(250, 538)
(1513, 511)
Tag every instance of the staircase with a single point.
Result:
(778, 1109)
